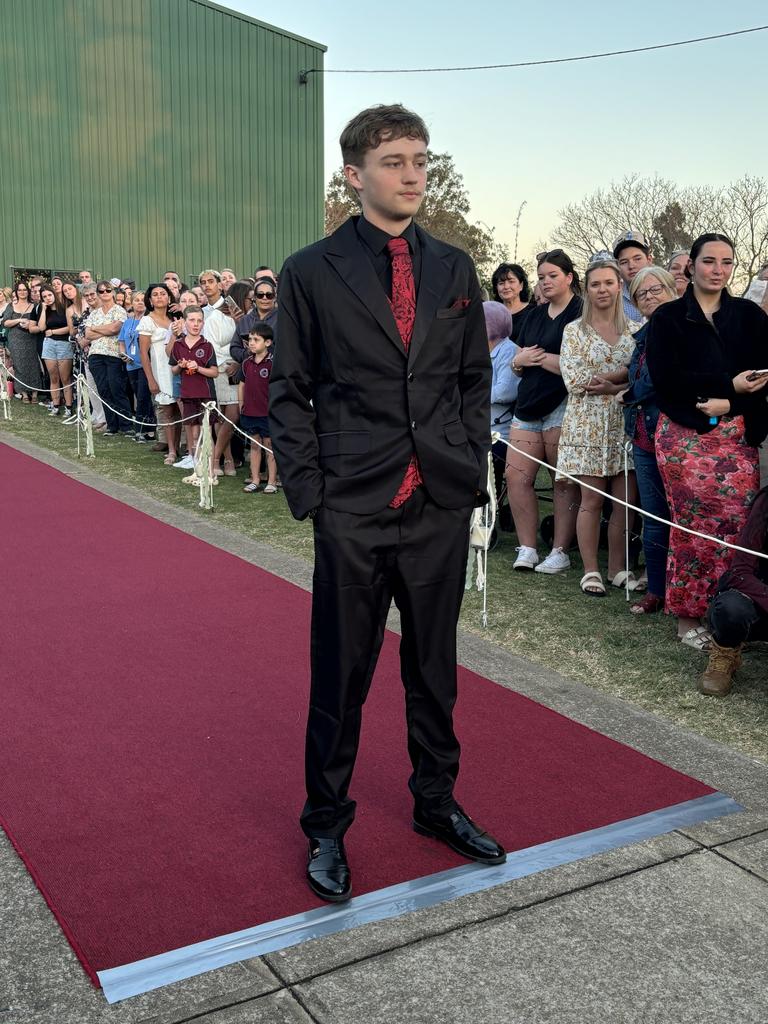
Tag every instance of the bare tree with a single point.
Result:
(671, 216)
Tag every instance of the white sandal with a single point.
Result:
(698, 637)
(594, 581)
(620, 580)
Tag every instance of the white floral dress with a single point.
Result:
(592, 437)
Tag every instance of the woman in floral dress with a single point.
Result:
(705, 351)
(596, 352)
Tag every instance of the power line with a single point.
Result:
(525, 63)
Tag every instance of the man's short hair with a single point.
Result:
(378, 124)
(192, 309)
(263, 330)
(215, 273)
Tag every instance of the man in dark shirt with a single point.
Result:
(379, 411)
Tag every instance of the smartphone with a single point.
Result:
(757, 375)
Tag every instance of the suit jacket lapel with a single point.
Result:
(435, 277)
(348, 257)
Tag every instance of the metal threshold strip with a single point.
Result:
(189, 961)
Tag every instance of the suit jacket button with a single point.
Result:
(410, 376)
(413, 424)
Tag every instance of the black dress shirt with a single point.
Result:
(375, 245)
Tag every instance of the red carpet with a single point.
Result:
(154, 692)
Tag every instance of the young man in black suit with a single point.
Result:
(379, 410)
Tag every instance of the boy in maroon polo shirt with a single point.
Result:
(253, 395)
(194, 358)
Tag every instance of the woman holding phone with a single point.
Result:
(706, 352)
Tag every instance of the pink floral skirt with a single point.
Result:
(710, 479)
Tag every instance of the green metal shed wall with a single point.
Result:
(143, 135)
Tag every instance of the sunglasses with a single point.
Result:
(104, 291)
(541, 257)
(265, 295)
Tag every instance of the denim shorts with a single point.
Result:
(551, 421)
(58, 348)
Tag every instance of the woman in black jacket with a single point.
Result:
(704, 352)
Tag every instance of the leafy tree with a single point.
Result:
(443, 212)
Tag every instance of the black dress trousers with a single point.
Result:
(416, 554)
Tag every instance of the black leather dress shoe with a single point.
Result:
(463, 836)
(328, 871)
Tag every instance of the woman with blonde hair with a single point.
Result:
(594, 362)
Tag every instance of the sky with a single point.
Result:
(548, 136)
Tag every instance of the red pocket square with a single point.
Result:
(460, 304)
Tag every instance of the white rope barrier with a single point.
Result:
(649, 515)
(83, 422)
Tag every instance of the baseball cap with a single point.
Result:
(115, 282)
(631, 238)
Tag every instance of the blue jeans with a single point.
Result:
(655, 535)
(145, 407)
(112, 384)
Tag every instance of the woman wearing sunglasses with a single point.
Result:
(105, 360)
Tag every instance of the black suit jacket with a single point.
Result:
(348, 406)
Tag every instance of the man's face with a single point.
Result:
(227, 279)
(210, 287)
(392, 180)
(631, 259)
(171, 281)
(85, 277)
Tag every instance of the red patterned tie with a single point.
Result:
(403, 304)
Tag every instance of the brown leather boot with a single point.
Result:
(717, 678)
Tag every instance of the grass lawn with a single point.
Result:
(544, 618)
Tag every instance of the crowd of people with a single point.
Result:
(151, 358)
(642, 384)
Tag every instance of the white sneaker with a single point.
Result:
(556, 561)
(186, 463)
(527, 558)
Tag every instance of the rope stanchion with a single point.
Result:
(5, 396)
(481, 529)
(84, 419)
(204, 471)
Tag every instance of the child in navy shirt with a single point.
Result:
(253, 395)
